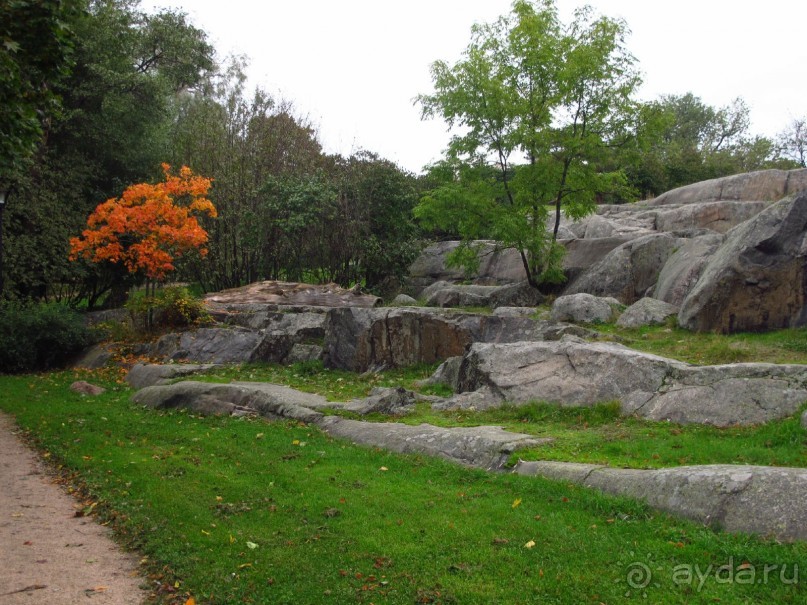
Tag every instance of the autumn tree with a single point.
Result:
(537, 104)
(149, 227)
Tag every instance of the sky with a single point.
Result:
(354, 67)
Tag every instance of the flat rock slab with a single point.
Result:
(49, 555)
(768, 501)
(148, 374)
(584, 374)
(291, 293)
(485, 447)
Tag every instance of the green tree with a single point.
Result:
(792, 141)
(541, 103)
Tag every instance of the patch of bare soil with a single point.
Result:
(47, 553)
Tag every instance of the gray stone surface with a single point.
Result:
(683, 269)
(213, 345)
(583, 308)
(486, 447)
(714, 216)
(763, 185)
(757, 280)
(94, 358)
(394, 401)
(143, 375)
(584, 374)
(629, 271)
(445, 294)
(404, 300)
(646, 312)
(768, 501)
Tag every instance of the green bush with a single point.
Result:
(172, 307)
(40, 337)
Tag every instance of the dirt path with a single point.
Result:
(47, 554)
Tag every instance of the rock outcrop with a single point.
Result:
(583, 374)
(584, 308)
(444, 294)
(762, 500)
(293, 294)
(646, 312)
(757, 280)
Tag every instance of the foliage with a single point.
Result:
(539, 104)
(40, 337)
(35, 51)
(170, 307)
(117, 103)
(149, 226)
(792, 141)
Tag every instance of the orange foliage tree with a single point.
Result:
(149, 226)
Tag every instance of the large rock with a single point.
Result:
(714, 216)
(496, 266)
(293, 294)
(629, 271)
(209, 345)
(361, 339)
(763, 185)
(646, 312)
(584, 308)
(759, 500)
(149, 374)
(584, 374)
(582, 254)
(757, 280)
(444, 294)
(683, 269)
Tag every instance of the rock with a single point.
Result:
(394, 401)
(85, 388)
(715, 216)
(628, 271)
(582, 254)
(757, 279)
(763, 185)
(301, 353)
(584, 374)
(292, 293)
(360, 339)
(269, 400)
(496, 266)
(444, 294)
(148, 374)
(514, 311)
(403, 300)
(646, 312)
(487, 447)
(94, 358)
(213, 345)
(583, 308)
(766, 501)
(683, 269)
(447, 373)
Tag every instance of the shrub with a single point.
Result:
(172, 307)
(40, 337)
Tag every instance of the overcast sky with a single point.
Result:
(354, 66)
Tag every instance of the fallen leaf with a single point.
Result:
(383, 468)
(252, 545)
(530, 544)
(190, 601)
(516, 503)
(245, 565)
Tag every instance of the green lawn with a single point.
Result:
(244, 511)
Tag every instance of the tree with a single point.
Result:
(149, 226)
(793, 141)
(540, 103)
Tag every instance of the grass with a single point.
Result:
(243, 511)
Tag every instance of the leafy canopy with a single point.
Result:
(538, 104)
(149, 226)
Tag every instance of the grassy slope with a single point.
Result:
(330, 526)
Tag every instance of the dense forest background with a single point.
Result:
(96, 94)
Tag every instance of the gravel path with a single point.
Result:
(47, 554)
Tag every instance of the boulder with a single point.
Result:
(393, 401)
(582, 254)
(444, 294)
(213, 345)
(584, 374)
(714, 216)
(760, 500)
(94, 358)
(584, 308)
(403, 300)
(83, 387)
(496, 266)
(646, 312)
(763, 185)
(683, 269)
(148, 374)
(629, 271)
(293, 294)
(757, 280)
